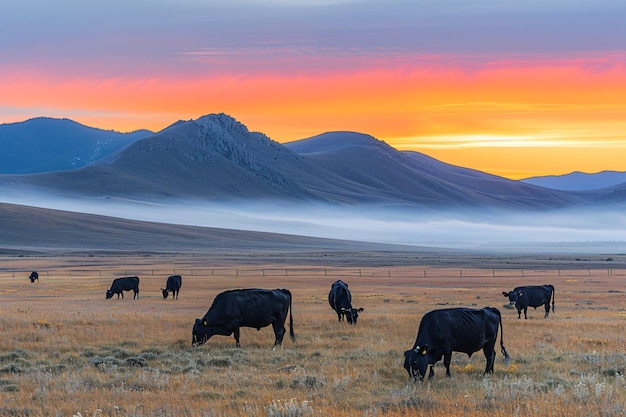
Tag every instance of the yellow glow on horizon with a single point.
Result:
(542, 118)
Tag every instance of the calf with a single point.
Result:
(173, 285)
(120, 285)
(531, 296)
(340, 300)
(34, 276)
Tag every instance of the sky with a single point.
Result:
(513, 88)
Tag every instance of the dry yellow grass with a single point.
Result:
(66, 351)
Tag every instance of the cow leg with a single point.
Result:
(447, 358)
(525, 313)
(236, 334)
(519, 313)
(432, 372)
(547, 310)
(279, 332)
(490, 355)
(120, 293)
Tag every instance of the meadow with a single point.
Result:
(66, 351)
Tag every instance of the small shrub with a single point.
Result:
(136, 361)
(291, 408)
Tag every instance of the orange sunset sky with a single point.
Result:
(513, 89)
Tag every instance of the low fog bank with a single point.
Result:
(580, 231)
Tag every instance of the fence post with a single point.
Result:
(461, 273)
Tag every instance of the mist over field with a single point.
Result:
(594, 231)
(214, 172)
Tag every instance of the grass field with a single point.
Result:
(66, 351)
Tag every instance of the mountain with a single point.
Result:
(214, 157)
(579, 181)
(217, 158)
(419, 179)
(45, 144)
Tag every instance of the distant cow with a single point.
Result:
(340, 300)
(531, 296)
(442, 332)
(255, 308)
(34, 276)
(173, 285)
(120, 285)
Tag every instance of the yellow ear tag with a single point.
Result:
(423, 351)
(205, 322)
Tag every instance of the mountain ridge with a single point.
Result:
(216, 157)
(44, 144)
(579, 181)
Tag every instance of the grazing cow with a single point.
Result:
(464, 330)
(245, 308)
(531, 296)
(173, 285)
(34, 276)
(340, 300)
(124, 284)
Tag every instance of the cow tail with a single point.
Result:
(507, 357)
(553, 295)
(291, 333)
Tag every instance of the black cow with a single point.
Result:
(124, 284)
(245, 308)
(173, 285)
(531, 296)
(442, 332)
(340, 300)
(34, 276)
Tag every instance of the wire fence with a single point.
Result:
(379, 272)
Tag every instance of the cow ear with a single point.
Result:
(423, 350)
(205, 322)
(520, 293)
(506, 294)
(361, 309)
(343, 310)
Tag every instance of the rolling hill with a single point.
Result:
(44, 144)
(415, 178)
(579, 181)
(215, 157)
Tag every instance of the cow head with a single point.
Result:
(352, 314)
(416, 362)
(165, 293)
(109, 294)
(200, 332)
(513, 296)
